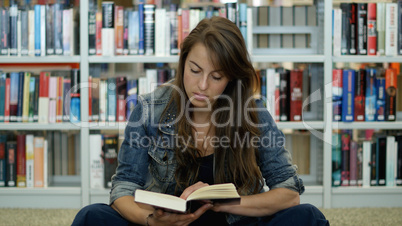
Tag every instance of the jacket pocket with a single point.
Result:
(162, 164)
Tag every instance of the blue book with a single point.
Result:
(13, 32)
(336, 159)
(141, 47)
(263, 75)
(3, 175)
(2, 95)
(132, 96)
(20, 96)
(111, 99)
(243, 20)
(371, 95)
(380, 107)
(37, 9)
(348, 95)
(14, 85)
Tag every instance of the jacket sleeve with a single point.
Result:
(133, 158)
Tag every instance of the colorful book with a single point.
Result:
(380, 106)
(337, 90)
(360, 95)
(3, 159)
(390, 94)
(371, 95)
(29, 157)
(336, 159)
(11, 161)
(21, 161)
(43, 107)
(348, 82)
(345, 149)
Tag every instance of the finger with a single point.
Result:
(192, 188)
(202, 210)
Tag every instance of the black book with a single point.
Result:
(398, 166)
(125, 31)
(13, 33)
(20, 96)
(49, 29)
(284, 95)
(174, 30)
(11, 159)
(4, 28)
(36, 101)
(92, 32)
(399, 28)
(362, 28)
(149, 29)
(348, 43)
(58, 28)
(107, 15)
(381, 160)
(24, 32)
(373, 164)
(109, 149)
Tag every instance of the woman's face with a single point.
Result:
(203, 83)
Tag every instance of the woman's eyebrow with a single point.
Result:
(219, 70)
(195, 64)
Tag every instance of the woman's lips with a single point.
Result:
(199, 96)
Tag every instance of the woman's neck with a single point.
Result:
(201, 118)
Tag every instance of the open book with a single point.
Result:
(222, 193)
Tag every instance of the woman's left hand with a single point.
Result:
(192, 188)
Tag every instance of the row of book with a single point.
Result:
(103, 159)
(32, 159)
(39, 30)
(49, 97)
(364, 94)
(113, 99)
(367, 29)
(147, 29)
(287, 92)
(372, 160)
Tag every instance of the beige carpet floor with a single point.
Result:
(343, 216)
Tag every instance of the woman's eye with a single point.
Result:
(194, 71)
(216, 78)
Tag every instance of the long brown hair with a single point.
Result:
(235, 163)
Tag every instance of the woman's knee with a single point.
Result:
(92, 213)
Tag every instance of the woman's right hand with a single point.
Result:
(161, 217)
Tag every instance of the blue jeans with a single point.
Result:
(304, 214)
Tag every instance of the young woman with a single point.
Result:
(205, 127)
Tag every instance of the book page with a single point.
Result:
(160, 200)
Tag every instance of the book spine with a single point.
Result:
(43, 107)
(14, 87)
(29, 156)
(271, 87)
(4, 28)
(31, 32)
(359, 164)
(111, 99)
(11, 177)
(102, 100)
(3, 160)
(141, 39)
(398, 150)
(284, 96)
(348, 95)
(149, 29)
(132, 96)
(119, 30)
(381, 160)
(399, 24)
(366, 163)
(371, 95)
(98, 33)
(390, 162)
(7, 101)
(353, 163)
(125, 31)
(110, 158)
(95, 99)
(353, 24)
(296, 94)
(20, 96)
(59, 100)
(336, 159)
(24, 33)
(96, 162)
(380, 106)
(108, 29)
(345, 148)
(390, 94)
(21, 161)
(160, 32)
(185, 23)
(58, 29)
(50, 19)
(381, 28)
(92, 32)
(174, 30)
(67, 35)
(121, 91)
(13, 32)
(391, 29)
(360, 94)
(337, 90)
(25, 98)
(66, 99)
(90, 98)
(36, 101)
(38, 161)
(243, 20)
(52, 99)
(362, 28)
(345, 40)
(2, 95)
(42, 28)
(337, 31)
(132, 32)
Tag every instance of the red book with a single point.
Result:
(121, 91)
(296, 94)
(21, 161)
(90, 98)
(59, 100)
(43, 83)
(98, 33)
(7, 102)
(390, 94)
(360, 95)
(345, 169)
(185, 23)
(119, 29)
(353, 163)
(371, 28)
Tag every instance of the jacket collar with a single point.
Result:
(168, 121)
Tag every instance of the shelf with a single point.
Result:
(288, 58)
(40, 191)
(39, 126)
(42, 59)
(367, 190)
(107, 125)
(366, 59)
(133, 59)
(367, 125)
(301, 125)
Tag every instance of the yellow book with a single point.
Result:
(25, 103)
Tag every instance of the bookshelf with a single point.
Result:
(75, 192)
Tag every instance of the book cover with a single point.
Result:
(3, 160)
(11, 159)
(362, 28)
(149, 29)
(296, 94)
(96, 162)
(121, 91)
(336, 159)
(38, 161)
(371, 95)
(284, 92)
(217, 193)
(381, 158)
(380, 106)
(337, 93)
(109, 149)
(14, 89)
(43, 102)
(348, 82)
(390, 94)
(119, 30)
(353, 163)
(360, 95)
(29, 157)
(345, 149)
(21, 161)
(391, 29)
(381, 28)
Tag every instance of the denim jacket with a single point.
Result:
(147, 160)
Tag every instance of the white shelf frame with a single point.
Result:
(42, 59)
